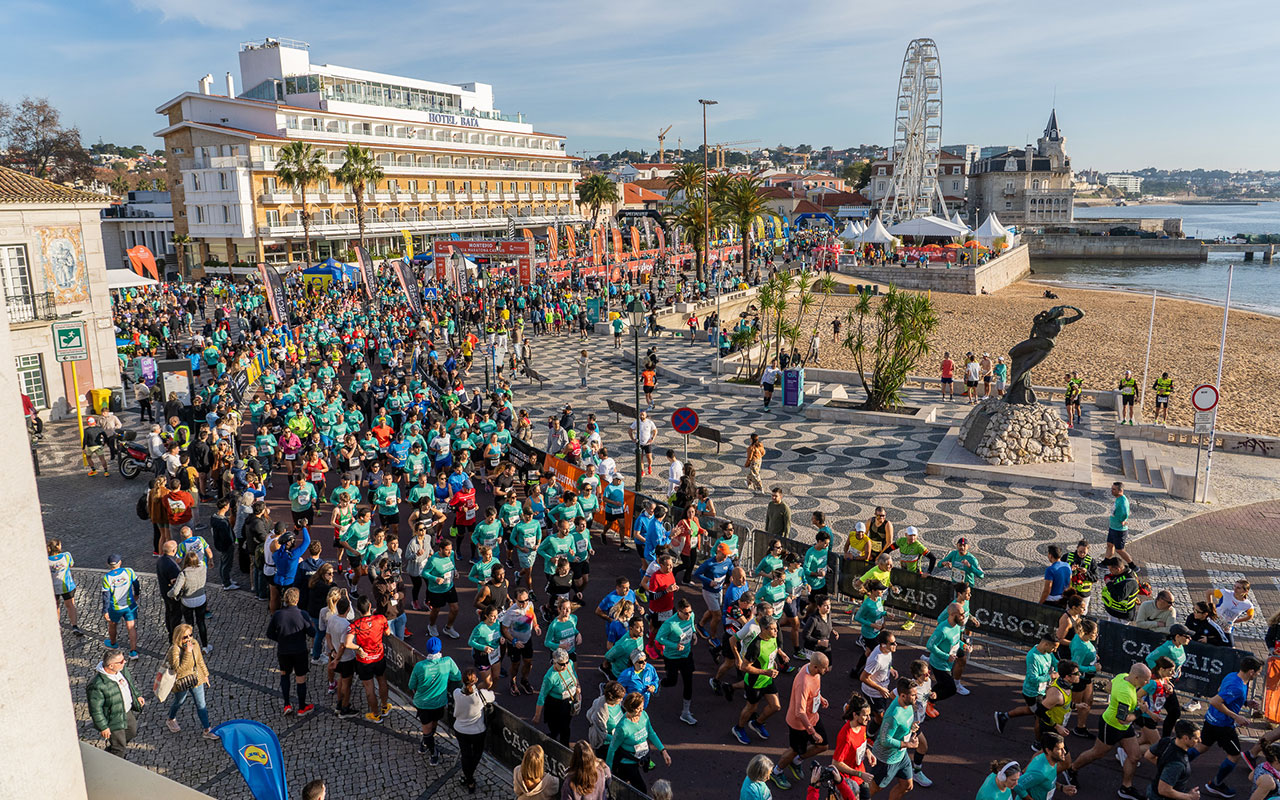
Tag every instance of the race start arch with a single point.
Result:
(519, 250)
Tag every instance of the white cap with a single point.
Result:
(860, 527)
(911, 531)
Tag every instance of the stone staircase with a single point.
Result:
(1156, 468)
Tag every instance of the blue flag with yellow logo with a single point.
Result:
(255, 749)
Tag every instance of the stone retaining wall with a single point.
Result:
(991, 277)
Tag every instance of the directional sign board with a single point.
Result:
(1204, 397)
(70, 342)
(684, 420)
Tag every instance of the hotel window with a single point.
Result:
(955, 186)
(413, 186)
(526, 187)
(198, 215)
(195, 181)
(513, 187)
(881, 171)
(177, 151)
(431, 186)
(393, 186)
(291, 123)
(222, 181)
(268, 185)
(1007, 205)
(31, 379)
(466, 186)
(14, 274)
(324, 186)
(448, 186)
(225, 215)
(273, 218)
(324, 216)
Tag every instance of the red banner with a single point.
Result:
(662, 240)
(617, 243)
(142, 261)
(440, 258)
(570, 245)
(526, 271)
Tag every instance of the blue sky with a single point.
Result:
(1165, 84)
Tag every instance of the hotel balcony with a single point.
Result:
(347, 228)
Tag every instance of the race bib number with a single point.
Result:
(642, 749)
(663, 616)
(816, 705)
(304, 498)
(495, 656)
(582, 546)
(568, 642)
(290, 456)
(317, 476)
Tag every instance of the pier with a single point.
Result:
(1268, 251)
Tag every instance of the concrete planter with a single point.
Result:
(923, 416)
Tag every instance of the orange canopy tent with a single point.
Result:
(142, 262)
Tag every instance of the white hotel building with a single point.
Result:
(452, 163)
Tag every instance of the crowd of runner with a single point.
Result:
(402, 487)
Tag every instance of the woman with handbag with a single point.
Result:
(188, 589)
(560, 698)
(190, 678)
(469, 705)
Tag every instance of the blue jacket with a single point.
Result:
(713, 573)
(287, 560)
(637, 682)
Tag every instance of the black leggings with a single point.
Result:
(1172, 711)
(195, 618)
(687, 563)
(680, 668)
(558, 713)
(944, 685)
(417, 582)
(470, 751)
(629, 771)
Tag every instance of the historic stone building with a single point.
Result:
(1025, 187)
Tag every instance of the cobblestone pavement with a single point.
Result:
(843, 471)
(357, 759)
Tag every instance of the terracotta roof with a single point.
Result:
(19, 187)
(808, 207)
(654, 166)
(637, 194)
(653, 184)
(836, 199)
(778, 193)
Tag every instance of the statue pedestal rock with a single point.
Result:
(1004, 434)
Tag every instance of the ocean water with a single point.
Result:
(1255, 286)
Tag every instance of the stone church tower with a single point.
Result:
(1052, 144)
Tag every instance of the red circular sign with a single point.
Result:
(1204, 397)
(684, 420)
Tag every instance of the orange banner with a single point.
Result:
(553, 244)
(570, 245)
(662, 240)
(635, 239)
(617, 243)
(142, 261)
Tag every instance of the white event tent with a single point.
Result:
(875, 233)
(928, 226)
(990, 230)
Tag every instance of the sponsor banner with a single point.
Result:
(275, 292)
(617, 242)
(662, 239)
(570, 245)
(635, 240)
(553, 244)
(486, 247)
(410, 285)
(366, 270)
(1024, 622)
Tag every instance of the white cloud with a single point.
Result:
(225, 14)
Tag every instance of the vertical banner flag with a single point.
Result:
(593, 236)
(553, 244)
(274, 289)
(366, 270)
(635, 239)
(410, 286)
(570, 245)
(511, 227)
(525, 266)
(662, 240)
(440, 260)
(617, 243)
(255, 750)
(408, 243)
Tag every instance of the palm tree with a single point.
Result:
(741, 204)
(720, 185)
(297, 166)
(690, 216)
(180, 243)
(596, 192)
(120, 185)
(358, 170)
(686, 180)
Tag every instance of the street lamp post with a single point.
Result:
(706, 226)
(635, 314)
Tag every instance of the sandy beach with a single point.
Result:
(1112, 337)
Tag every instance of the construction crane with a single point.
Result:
(662, 148)
(806, 157)
(720, 148)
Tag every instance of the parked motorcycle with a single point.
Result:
(132, 458)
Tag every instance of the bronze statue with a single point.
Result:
(1026, 354)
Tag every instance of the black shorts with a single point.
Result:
(297, 663)
(1162, 400)
(580, 569)
(346, 669)
(647, 449)
(354, 561)
(481, 660)
(369, 671)
(970, 384)
(754, 695)
(519, 652)
(1225, 736)
(65, 595)
(947, 381)
(428, 715)
(1031, 701)
(1116, 538)
(1126, 399)
(790, 608)
(305, 517)
(1144, 721)
(442, 599)
(986, 380)
(388, 520)
(1114, 736)
(879, 704)
(800, 741)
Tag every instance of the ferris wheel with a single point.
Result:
(917, 136)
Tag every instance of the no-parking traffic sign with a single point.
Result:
(684, 420)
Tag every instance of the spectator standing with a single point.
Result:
(289, 628)
(1156, 614)
(114, 702)
(190, 679)
(469, 703)
(188, 590)
(530, 779)
(588, 777)
(777, 516)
